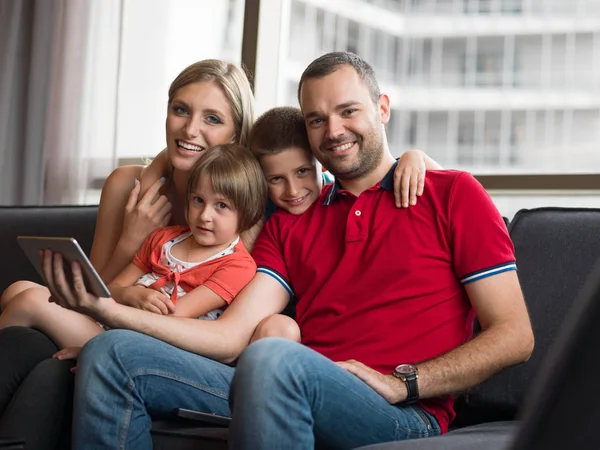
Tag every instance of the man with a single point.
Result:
(385, 305)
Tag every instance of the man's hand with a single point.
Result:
(388, 386)
(141, 297)
(409, 178)
(74, 296)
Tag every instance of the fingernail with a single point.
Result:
(135, 182)
(405, 205)
(413, 202)
(163, 179)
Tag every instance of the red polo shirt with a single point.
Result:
(384, 285)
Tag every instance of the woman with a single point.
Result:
(210, 103)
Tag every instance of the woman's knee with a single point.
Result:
(15, 289)
(277, 325)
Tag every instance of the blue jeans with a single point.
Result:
(123, 378)
(285, 395)
(282, 392)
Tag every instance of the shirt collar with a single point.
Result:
(386, 183)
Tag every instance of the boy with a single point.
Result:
(295, 178)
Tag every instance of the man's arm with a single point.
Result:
(506, 339)
(223, 339)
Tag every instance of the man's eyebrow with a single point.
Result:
(344, 105)
(347, 104)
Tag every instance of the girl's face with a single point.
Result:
(198, 117)
(212, 218)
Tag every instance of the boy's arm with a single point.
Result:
(409, 177)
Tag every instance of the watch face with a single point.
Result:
(406, 369)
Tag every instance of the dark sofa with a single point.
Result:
(555, 248)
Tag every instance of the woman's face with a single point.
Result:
(198, 117)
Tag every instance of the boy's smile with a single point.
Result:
(294, 178)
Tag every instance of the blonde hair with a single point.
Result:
(233, 82)
(235, 174)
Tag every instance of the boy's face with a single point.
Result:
(294, 178)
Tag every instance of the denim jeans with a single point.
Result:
(123, 378)
(285, 395)
(282, 392)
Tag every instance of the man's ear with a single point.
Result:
(383, 106)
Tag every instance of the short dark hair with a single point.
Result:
(277, 130)
(236, 174)
(330, 62)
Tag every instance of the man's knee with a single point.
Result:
(270, 357)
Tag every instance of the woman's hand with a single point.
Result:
(409, 178)
(143, 216)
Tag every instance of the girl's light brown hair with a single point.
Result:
(235, 174)
(233, 82)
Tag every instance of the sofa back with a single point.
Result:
(556, 249)
(68, 221)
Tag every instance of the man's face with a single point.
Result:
(345, 127)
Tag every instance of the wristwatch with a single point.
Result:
(409, 374)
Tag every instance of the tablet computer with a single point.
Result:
(71, 251)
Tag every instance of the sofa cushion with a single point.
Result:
(489, 436)
(556, 249)
(69, 221)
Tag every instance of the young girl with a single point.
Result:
(196, 270)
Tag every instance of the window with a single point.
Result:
(477, 84)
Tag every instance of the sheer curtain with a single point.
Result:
(58, 97)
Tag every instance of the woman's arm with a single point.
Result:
(124, 222)
(250, 236)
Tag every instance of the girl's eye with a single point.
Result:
(221, 205)
(275, 180)
(197, 200)
(303, 171)
(214, 119)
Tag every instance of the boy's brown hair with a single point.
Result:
(236, 174)
(277, 130)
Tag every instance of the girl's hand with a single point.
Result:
(143, 216)
(68, 353)
(147, 299)
(409, 178)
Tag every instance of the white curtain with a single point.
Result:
(58, 103)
